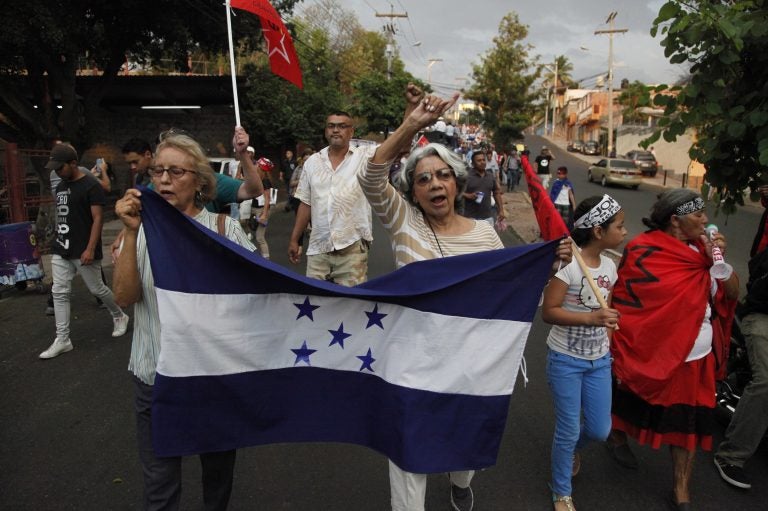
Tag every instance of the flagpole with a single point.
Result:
(233, 70)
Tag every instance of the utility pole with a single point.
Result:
(389, 29)
(610, 33)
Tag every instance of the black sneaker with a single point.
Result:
(732, 474)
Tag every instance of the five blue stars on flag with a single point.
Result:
(303, 354)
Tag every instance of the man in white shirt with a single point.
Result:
(331, 197)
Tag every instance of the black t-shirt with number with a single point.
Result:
(73, 216)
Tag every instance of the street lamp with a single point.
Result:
(431, 63)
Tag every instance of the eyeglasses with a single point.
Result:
(174, 172)
(424, 178)
(340, 125)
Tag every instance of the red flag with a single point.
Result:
(282, 55)
(550, 222)
(422, 141)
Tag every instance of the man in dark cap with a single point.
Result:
(77, 247)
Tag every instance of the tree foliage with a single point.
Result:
(503, 82)
(725, 98)
(634, 96)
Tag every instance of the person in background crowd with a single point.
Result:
(664, 352)
(138, 155)
(750, 420)
(578, 358)
(287, 167)
(260, 207)
(450, 135)
(294, 202)
(182, 175)
(513, 169)
(562, 196)
(101, 171)
(330, 196)
(543, 165)
(77, 248)
(481, 186)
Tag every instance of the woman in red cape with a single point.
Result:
(674, 325)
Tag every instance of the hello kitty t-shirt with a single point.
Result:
(587, 342)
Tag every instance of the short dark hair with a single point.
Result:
(137, 145)
(477, 153)
(339, 113)
(563, 169)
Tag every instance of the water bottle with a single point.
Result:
(720, 269)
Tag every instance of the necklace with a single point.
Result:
(433, 234)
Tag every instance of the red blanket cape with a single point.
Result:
(661, 293)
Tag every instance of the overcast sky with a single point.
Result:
(460, 31)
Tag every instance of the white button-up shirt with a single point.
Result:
(341, 214)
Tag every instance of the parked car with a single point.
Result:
(645, 161)
(615, 171)
(591, 147)
(575, 146)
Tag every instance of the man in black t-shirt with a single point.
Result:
(544, 165)
(77, 247)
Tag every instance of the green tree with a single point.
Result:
(633, 97)
(503, 82)
(724, 100)
(380, 103)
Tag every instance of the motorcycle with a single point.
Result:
(728, 392)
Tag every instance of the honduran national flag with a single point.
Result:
(418, 364)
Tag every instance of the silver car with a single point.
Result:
(615, 171)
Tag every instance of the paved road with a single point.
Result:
(67, 434)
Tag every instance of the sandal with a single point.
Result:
(565, 500)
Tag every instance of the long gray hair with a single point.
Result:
(445, 154)
(665, 206)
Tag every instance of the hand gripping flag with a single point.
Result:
(550, 222)
(282, 55)
(418, 364)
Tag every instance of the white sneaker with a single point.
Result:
(57, 348)
(121, 325)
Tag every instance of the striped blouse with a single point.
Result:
(412, 238)
(145, 347)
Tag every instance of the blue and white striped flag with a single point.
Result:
(419, 364)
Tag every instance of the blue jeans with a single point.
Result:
(578, 386)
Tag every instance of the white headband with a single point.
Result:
(599, 214)
(692, 206)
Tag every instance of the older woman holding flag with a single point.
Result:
(422, 223)
(675, 321)
(181, 175)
